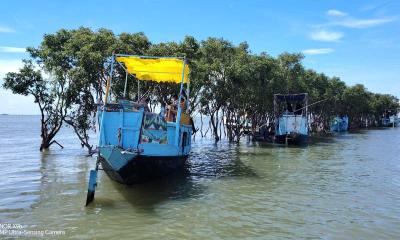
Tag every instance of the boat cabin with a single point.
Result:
(291, 121)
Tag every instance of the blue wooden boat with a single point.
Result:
(390, 119)
(136, 145)
(291, 118)
(340, 124)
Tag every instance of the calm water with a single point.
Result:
(346, 187)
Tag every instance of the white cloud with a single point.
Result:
(344, 20)
(317, 51)
(361, 23)
(6, 30)
(326, 36)
(12, 49)
(335, 13)
(11, 65)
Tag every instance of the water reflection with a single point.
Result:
(210, 163)
(219, 162)
(148, 196)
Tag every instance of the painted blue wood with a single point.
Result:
(116, 156)
(91, 186)
(92, 181)
(129, 128)
(121, 139)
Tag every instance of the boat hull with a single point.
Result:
(389, 124)
(143, 168)
(292, 138)
(137, 146)
(291, 129)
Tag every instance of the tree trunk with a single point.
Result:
(84, 139)
(46, 134)
(214, 124)
(45, 144)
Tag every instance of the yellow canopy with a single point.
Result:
(156, 69)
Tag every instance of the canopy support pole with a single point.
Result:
(126, 83)
(187, 95)
(107, 97)
(138, 90)
(102, 137)
(178, 117)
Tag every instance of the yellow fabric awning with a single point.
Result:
(156, 69)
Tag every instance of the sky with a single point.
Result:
(356, 40)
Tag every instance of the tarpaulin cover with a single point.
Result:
(156, 69)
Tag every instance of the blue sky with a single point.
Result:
(357, 41)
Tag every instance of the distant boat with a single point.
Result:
(291, 121)
(390, 119)
(136, 145)
(340, 124)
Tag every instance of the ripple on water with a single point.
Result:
(335, 188)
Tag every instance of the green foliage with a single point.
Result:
(229, 84)
(27, 81)
(379, 103)
(48, 94)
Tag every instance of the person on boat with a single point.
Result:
(172, 108)
(183, 101)
(174, 100)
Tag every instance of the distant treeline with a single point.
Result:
(227, 82)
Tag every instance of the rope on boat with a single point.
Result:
(323, 100)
